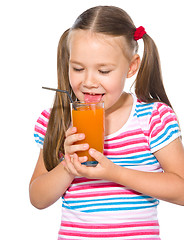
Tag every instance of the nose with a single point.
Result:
(90, 81)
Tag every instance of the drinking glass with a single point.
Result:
(88, 118)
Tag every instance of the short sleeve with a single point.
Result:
(163, 127)
(41, 128)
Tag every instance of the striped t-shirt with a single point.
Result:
(98, 209)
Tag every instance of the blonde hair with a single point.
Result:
(149, 87)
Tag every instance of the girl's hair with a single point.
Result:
(149, 87)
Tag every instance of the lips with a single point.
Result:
(92, 97)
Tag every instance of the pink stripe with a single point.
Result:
(107, 226)
(126, 134)
(94, 186)
(101, 193)
(83, 180)
(146, 132)
(159, 113)
(40, 130)
(42, 122)
(160, 128)
(129, 151)
(153, 123)
(164, 109)
(163, 112)
(125, 143)
(143, 232)
(45, 114)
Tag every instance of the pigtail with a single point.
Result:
(149, 84)
(59, 119)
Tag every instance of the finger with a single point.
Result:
(82, 169)
(78, 166)
(83, 159)
(65, 165)
(70, 131)
(76, 148)
(69, 165)
(71, 139)
(98, 156)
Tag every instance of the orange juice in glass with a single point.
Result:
(88, 118)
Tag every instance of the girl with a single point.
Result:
(143, 158)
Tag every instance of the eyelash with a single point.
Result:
(100, 71)
(104, 72)
(78, 69)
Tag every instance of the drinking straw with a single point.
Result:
(62, 91)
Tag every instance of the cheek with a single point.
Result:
(116, 85)
(72, 79)
(70, 75)
(75, 84)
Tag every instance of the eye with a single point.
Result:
(78, 69)
(104, 72)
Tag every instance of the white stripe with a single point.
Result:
(110, 230)
(63, 237)
(115, 217)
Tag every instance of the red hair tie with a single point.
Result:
(139, 32)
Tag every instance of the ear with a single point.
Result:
(134, 65)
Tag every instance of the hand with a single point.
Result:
(105, 169)
(69, 145)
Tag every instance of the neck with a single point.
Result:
(116, 118)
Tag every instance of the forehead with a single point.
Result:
(86, 42)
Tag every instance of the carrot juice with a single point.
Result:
(88, 118)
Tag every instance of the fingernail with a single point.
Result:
(85, 158)
(81, 136)
(91, 151)
(85, 146)
(74, 129)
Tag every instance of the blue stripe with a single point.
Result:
(110, 204)
(144, 109)
(141, 115)
(145, 105)
(136, 161)
(152, 162)
(132, 165)
(172, 133)
(39, 142)
(113, 209)
(38, 139)
(118, 209)
(108, 199)
(38, 136)
(134, 156)
(172, 126)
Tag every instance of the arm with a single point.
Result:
(168, 186)
(47, 187)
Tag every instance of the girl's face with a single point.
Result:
(97, 67)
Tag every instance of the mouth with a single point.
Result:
(93, 97)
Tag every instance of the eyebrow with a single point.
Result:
(98, 64)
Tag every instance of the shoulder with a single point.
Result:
(41, 127)
(163, 126)
(158, 121)
(153, 110)
(163, 116)
(43, 120)
(143, 109)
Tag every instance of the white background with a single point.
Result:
(29, 34)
